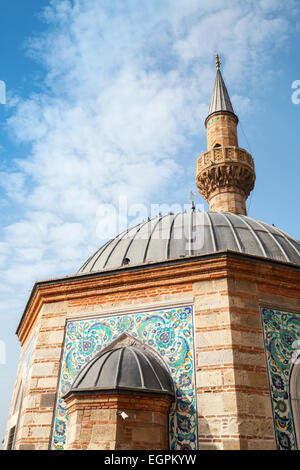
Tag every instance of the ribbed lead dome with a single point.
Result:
(194, 233)
(124, 368)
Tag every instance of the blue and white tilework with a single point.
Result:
(281, 331)
(169, 332)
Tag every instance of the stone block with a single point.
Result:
(211, 302)
(210, 445)
(40, 432)
(240, 285)
(149, 434)
(231, 426)
(212, 319)
(246, 320)
(209, 404)
(73, 434)
(37, 418)
(47, 400)
(212, 285)
(235, 444)
(31, 400)
(42, 369)
(55, 321)
(257, 379)
(213, 338)
(249, 358)
(209, 378)
(229, 402)
(208, 358)
(229, 376)
(26, 447)
(56, 337)
(47, 353)
(262, 444)
(102, 415)
(247, 339)
(267, 428)
(55, 307)
(259, 405)
(85, 435)
(105, 432)
(209, 427)
(49, 382)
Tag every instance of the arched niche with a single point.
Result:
(120, 400)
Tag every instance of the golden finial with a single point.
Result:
(218, 62)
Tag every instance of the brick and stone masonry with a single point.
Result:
(227, 291)
(94, 422)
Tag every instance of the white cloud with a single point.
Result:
(126, 86)
(240, 31)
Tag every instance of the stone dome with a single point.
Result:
(124, 368)
(192, 234)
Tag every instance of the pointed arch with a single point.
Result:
(125, 339)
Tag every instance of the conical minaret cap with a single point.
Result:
(220, 100)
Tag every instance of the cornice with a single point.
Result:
(172, 272)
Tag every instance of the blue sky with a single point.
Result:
(108, 98)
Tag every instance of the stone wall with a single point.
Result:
(233, 396)
(34, 427)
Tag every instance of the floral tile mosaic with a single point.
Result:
(168, 332)
(281, 330)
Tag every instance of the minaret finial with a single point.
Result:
(218, 61)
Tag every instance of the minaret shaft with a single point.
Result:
(225, 172)
(222, 131)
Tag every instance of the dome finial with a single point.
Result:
(218, 61)
(192, 200)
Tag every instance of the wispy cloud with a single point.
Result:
(126, 85)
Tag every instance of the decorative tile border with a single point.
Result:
(169, 332)
(281, 330)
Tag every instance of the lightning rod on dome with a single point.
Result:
(192, 199)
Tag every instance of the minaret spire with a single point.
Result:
(220, 100)
(225, 173)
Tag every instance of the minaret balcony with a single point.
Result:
(225, 178)
(220, 155)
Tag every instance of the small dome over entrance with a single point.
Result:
(124, 369)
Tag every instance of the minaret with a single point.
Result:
(225, 173)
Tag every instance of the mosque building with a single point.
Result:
(181, 333)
